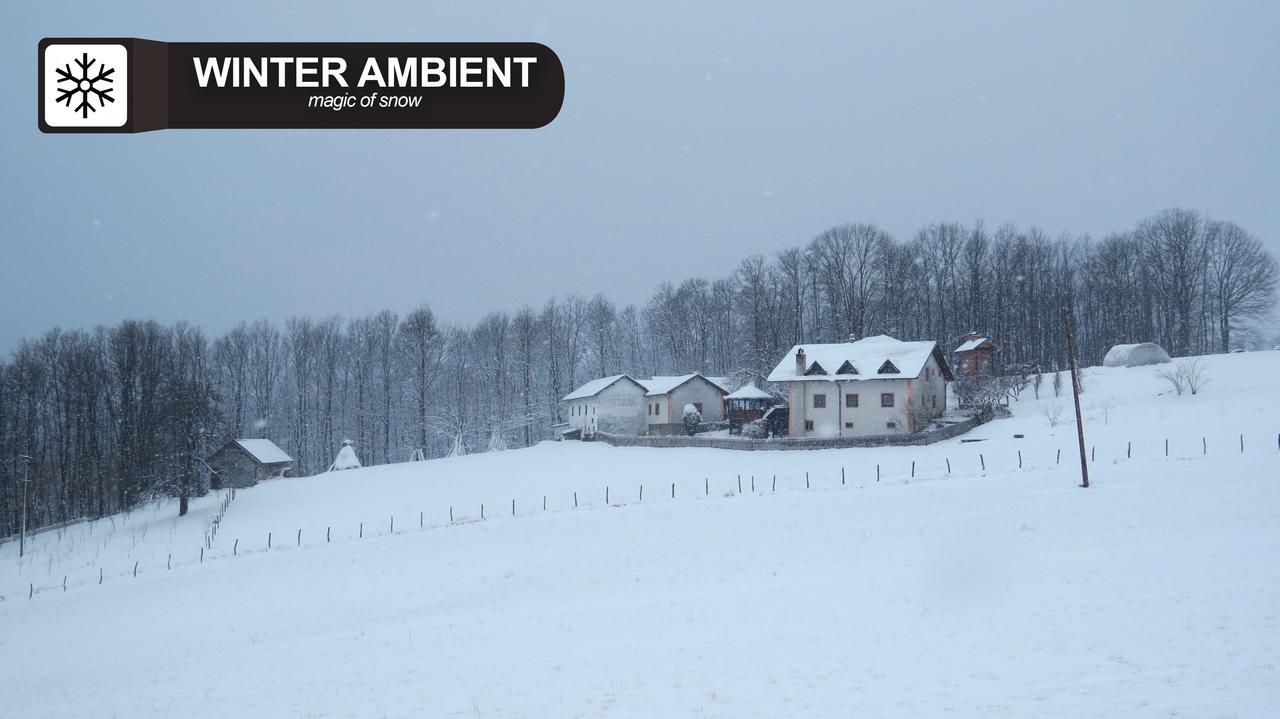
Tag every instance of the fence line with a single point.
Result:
(907, 476)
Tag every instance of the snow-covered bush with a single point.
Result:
(692, 419)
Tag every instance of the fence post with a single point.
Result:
(99, 575)
(1204, 446)
(135, 569)
(775, 483)
(482, 510)
(673, 488)
(1128, 451)
(327, 532)
(420, 520)
(1166, 447)
(753, 484)
(1242, 444)
(806, 480)
(32, 592)
(1019, 459)
(739, 484)
(451, 514)
(1093, 453)
(706, 486)
(575, 503)
(361, 530)
(877, 473)
(913, 469)
(393, 524)
(948, 465)
(64, 582)
(299, 537)
(983, 461)
(235, 548)
(544, 502)
(842, 476)
(168, 564)
(513, 507)
(202, 555)
(268, 540)
(1059, 458)
(606, 493)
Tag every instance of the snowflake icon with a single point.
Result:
(85, 82)
(84, 85)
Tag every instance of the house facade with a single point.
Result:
(667, 397)
(613, 404)
(874, 386)
(245, 462)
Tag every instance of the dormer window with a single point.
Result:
(888, 368)
(814, 369)
(847, 368)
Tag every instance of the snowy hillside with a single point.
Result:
(987, 584)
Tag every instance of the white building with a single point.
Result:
(876, 385)
(623, 405)
(609, 404)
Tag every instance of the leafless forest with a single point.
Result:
(99, 421)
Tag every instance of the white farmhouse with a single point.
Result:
(876, 385)
(609, 404)
(667, 396)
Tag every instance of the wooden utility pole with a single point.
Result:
(1075, 393)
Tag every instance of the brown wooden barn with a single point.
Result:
(975, 355)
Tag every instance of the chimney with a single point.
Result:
(800, 363)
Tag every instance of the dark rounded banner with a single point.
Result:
(132, 85)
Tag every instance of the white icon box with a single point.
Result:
(86, 85)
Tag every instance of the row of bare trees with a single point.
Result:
(100, 421)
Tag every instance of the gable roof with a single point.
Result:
(596, 386)
(749, 391)
(264, 451)
(907, 358)
(666, 384)
(975, 343)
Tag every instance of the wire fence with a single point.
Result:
(974, 463)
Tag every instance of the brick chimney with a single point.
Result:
(800, 363)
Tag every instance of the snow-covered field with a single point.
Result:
(989, 590)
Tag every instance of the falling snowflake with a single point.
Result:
(86, 84)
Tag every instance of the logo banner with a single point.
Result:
(134, 85)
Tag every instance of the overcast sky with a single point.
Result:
(690, 137)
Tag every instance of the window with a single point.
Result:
(698, 406)
(851, 401)
(886, 399)
(935, 400)
(819, 401)
(648, 409)
(848, 425)
(888, 368)
(808, 425)
(891, 425)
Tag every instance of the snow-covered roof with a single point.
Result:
(865, 357)
(596, 386)
(749, 391)
(661, 385)
(972, 344)
(264, 450)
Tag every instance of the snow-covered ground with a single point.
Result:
(989, 590)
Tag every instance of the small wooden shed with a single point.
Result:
(974, 356)
(243, 462)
